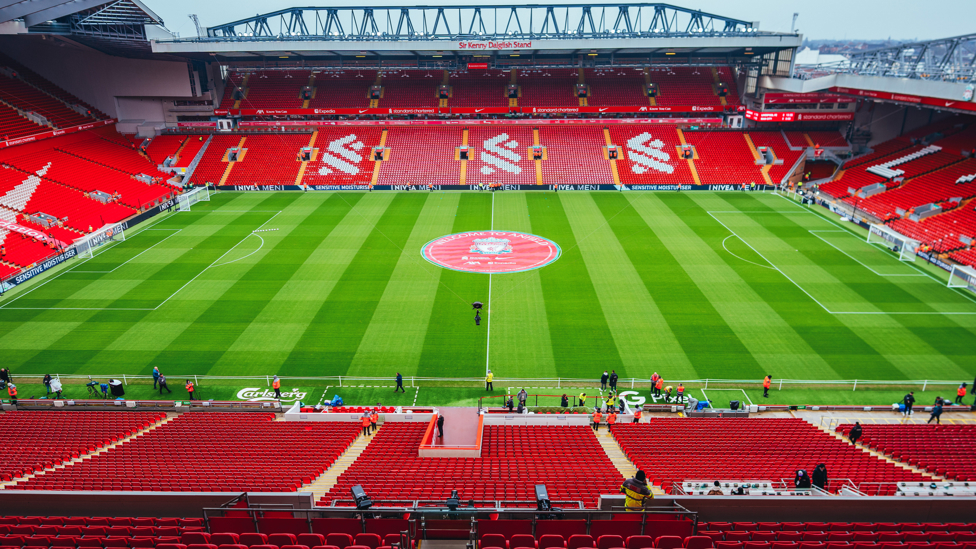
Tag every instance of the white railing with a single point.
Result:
(555, 383)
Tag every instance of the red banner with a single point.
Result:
(468, 110)
(55, 133)
(770, 98)
(33, 233)
(905, 98)
(493, 122)
(477, 66)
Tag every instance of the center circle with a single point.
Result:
(491, 252)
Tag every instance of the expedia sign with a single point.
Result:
(257, 394)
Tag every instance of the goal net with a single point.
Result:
(187, 199)
(900, 244)
(106, 235)
(962, 276)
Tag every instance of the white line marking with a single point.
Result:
(488, 339)
(743, 259)
(939, 281)
(814, 233)
(248, 255)
(120, 265)
(815, 300)
(415, 395)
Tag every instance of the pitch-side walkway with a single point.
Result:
(327, 480)
(10, 484)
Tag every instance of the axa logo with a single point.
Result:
(342, 155)
(647, 154)
(643, 109)
(500, 153)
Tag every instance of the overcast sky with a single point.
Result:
(819, 19)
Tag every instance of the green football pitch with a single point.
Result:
(700, 285)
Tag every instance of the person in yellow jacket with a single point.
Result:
(582, 399)
(276, 385)
(636, 491)
(488, 381)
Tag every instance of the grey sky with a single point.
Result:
(819, 19)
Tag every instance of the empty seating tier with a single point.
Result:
(345, 89)
(212, 166)
(944, 450)
(781, 149)
(39, 440)
(548, 87)
(480, 88)
(419, 156)
(164, 146)
(411, 89)
(344, 157)
(574, 155)
(210, 452)
(651, 155)
(724, 158)
(269, 160)
(674, 450)
(620, 86)
(569, 460)
(500, 154)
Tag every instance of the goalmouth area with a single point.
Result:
(313, 286)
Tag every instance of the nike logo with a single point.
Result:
(948, 103)
(601, 110)
(361, 111)
(478, 110)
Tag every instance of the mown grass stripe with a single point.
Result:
(247, 288)
(582, 343)
(453, 345)
(329, 343)
(629, 308)
(394, 340)
(850, 355)
(75, 350)
(711, 345)
(521, 345)
(918, 345)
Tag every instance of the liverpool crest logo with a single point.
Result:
(491, 246)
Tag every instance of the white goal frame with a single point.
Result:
(962, 276)
(905, 247)
(107, 234)
(188, 199)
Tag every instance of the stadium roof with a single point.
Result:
(418, 31)
(114, 26)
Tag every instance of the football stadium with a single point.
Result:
(628, 276)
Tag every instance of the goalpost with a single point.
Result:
(962, 276)
(902, 245)
(187, 199)
(107, 234)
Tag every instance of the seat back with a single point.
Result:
(282, 539)
(610, 541)
(340, 540)
(551, 540)
(369, 540)
(518, 541)
(576, 541)
(668, 542)
(698, 542)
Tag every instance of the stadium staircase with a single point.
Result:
(327, 480)
(620, 460)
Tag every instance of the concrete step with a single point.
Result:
(620, 460)
(327, 480)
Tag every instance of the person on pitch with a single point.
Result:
(477, 318)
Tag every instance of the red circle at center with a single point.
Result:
(491, 252)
